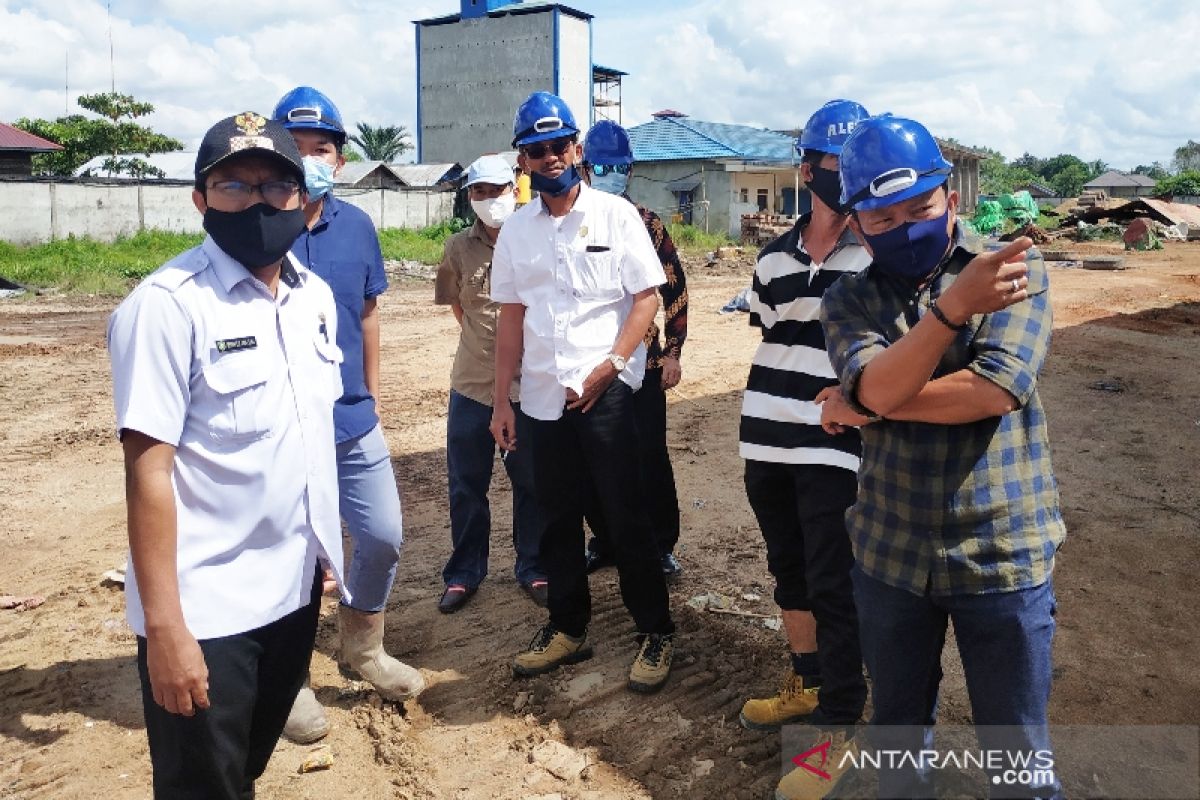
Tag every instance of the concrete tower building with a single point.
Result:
(475, 67)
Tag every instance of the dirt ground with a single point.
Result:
(1120, 389)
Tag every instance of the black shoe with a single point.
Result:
(538, 591)
(671, 566)
(455, 597)
(597, 561)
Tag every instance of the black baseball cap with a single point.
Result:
(249, 132)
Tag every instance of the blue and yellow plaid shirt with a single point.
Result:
(951, 509)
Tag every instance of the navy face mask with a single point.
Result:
(555, 187)
(913, 250)
(827, 186)
(256, 236)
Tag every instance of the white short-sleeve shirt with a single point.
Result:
(242, 384)
(576, 276)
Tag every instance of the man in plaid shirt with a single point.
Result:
(957, 516)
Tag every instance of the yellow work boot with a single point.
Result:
(549, 650)
(653, 663)
(819, 769)
(793, 703)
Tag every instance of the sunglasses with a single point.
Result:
(600, 170)
(540, 149)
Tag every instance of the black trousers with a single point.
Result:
(253, 679)
(801, 511)
(658, 478)
(574, 456)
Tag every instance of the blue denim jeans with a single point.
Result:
(470, 457)
(370, 505)
(1004, 641)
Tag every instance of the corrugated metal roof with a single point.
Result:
(682, 138)
(16, 139)
(355, 171)
(1114, 178)
(426, 174)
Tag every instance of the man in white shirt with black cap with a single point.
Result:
(225, 372)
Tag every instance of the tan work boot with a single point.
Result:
(653, 663)
(822, 769)
(549, 650)
(306, 721)
(362, 652)
(793, 703)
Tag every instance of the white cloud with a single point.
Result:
(1098, 78)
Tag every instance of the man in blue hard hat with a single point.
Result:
(462, 283)
(575, 274)
(799, 478)
(957, 516)
(608, 163)
(339, 244)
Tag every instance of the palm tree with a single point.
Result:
(382, 143)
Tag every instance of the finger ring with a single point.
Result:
(1016, 286)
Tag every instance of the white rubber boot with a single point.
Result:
(306, 723)
(362, 652)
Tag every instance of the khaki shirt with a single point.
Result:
(464, 277)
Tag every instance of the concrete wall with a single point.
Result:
(35, 212)
(475, 72)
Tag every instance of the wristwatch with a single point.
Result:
(617, 361)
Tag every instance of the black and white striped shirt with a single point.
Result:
(780, 423)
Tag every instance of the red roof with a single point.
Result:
(16, 139)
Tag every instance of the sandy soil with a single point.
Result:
(1120, 388)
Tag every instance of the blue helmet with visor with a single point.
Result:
(887, 160)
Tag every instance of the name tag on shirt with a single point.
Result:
(237, 344)
(597, 248)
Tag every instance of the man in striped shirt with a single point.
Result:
(799, 479)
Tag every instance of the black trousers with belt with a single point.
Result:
(253, 679)
(573, 457)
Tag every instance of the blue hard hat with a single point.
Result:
(827, 129)
(889, 159)
(542, 116)
(304, 108)
(607, 143)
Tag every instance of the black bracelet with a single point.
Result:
(942, 318)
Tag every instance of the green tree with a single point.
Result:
(1069, 181)
(1156, 171)
(115, 134)
(1187, 158)
(996, 176)
(383, 142)
(1185, 184)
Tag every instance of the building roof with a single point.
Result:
(677, 138)
(16, 139)
(179, 165)
(1033, 187)
(599, 72)
(427, 174)
(355, 171)
(529, 7)
(1112, 178)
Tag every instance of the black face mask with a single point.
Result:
(826, 185)
(257, 236)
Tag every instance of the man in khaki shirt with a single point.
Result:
(463, 284)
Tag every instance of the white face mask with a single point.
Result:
(493, 212)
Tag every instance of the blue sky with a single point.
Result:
(1098, 78)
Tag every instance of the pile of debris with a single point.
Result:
(762, 227)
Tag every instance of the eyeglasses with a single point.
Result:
(600, 170)
(277, 193)
(556, 146)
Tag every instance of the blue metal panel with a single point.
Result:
(556, 53)
(418, 27)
